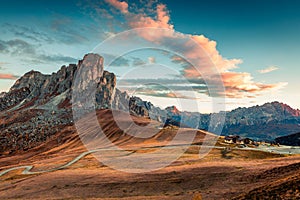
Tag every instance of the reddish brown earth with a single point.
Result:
(242, 174)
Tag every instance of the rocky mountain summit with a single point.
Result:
(265, 122)
(38, 105)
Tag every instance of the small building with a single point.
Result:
(232, 139)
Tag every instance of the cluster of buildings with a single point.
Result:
(236, 139)
(243, 142)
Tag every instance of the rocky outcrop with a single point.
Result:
(25, 129)
(13, 98)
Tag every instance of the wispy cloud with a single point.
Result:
(28, 33)
(138, 62)
(60, 30)
(16, 47)
(68, 31)
(168, 94)
(162, 87)
(28, 52)
(8, 76)
(178, 60)
(121, 62)
(2, 64)
(268, 69)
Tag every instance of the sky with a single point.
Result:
(252, 46)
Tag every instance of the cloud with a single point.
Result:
(8, 76)
(28, 52)
(145, 85)
(241, 84)
(151, 60)
(120, 62)
(141, 20)
(117, 61)
(56, 58)
(138, 62)
(3, 64)
(198, 48)
(268, 69)
(209, 47)
(60, 30)
(168, 94)
(67, 31)
(17, 47)
(178, 60)
(28, 33)
(122, 6)
(2, 47)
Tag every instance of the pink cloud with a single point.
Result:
(144, 21)
(177, 59)
(197, 48)
(8, 76)
(210, 48)
(122, 6)
(241, 84)
(237, 84)
(161, 20)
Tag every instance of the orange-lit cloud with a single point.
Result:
(161, 20)
(143, 21)
(122, 6)
(241, 84)
(205, 53)
(213, 54)
(151, 60)
(8, 76)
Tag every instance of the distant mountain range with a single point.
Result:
(265, 122)
(38, 105)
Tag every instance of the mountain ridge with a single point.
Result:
(38, 105)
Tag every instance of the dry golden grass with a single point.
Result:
(214, 177)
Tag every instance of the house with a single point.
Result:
(236, 139)
(231, 139)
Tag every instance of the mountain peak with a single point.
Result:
(173, 109)
(29, 80)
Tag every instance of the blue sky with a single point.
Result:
(43, 35)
